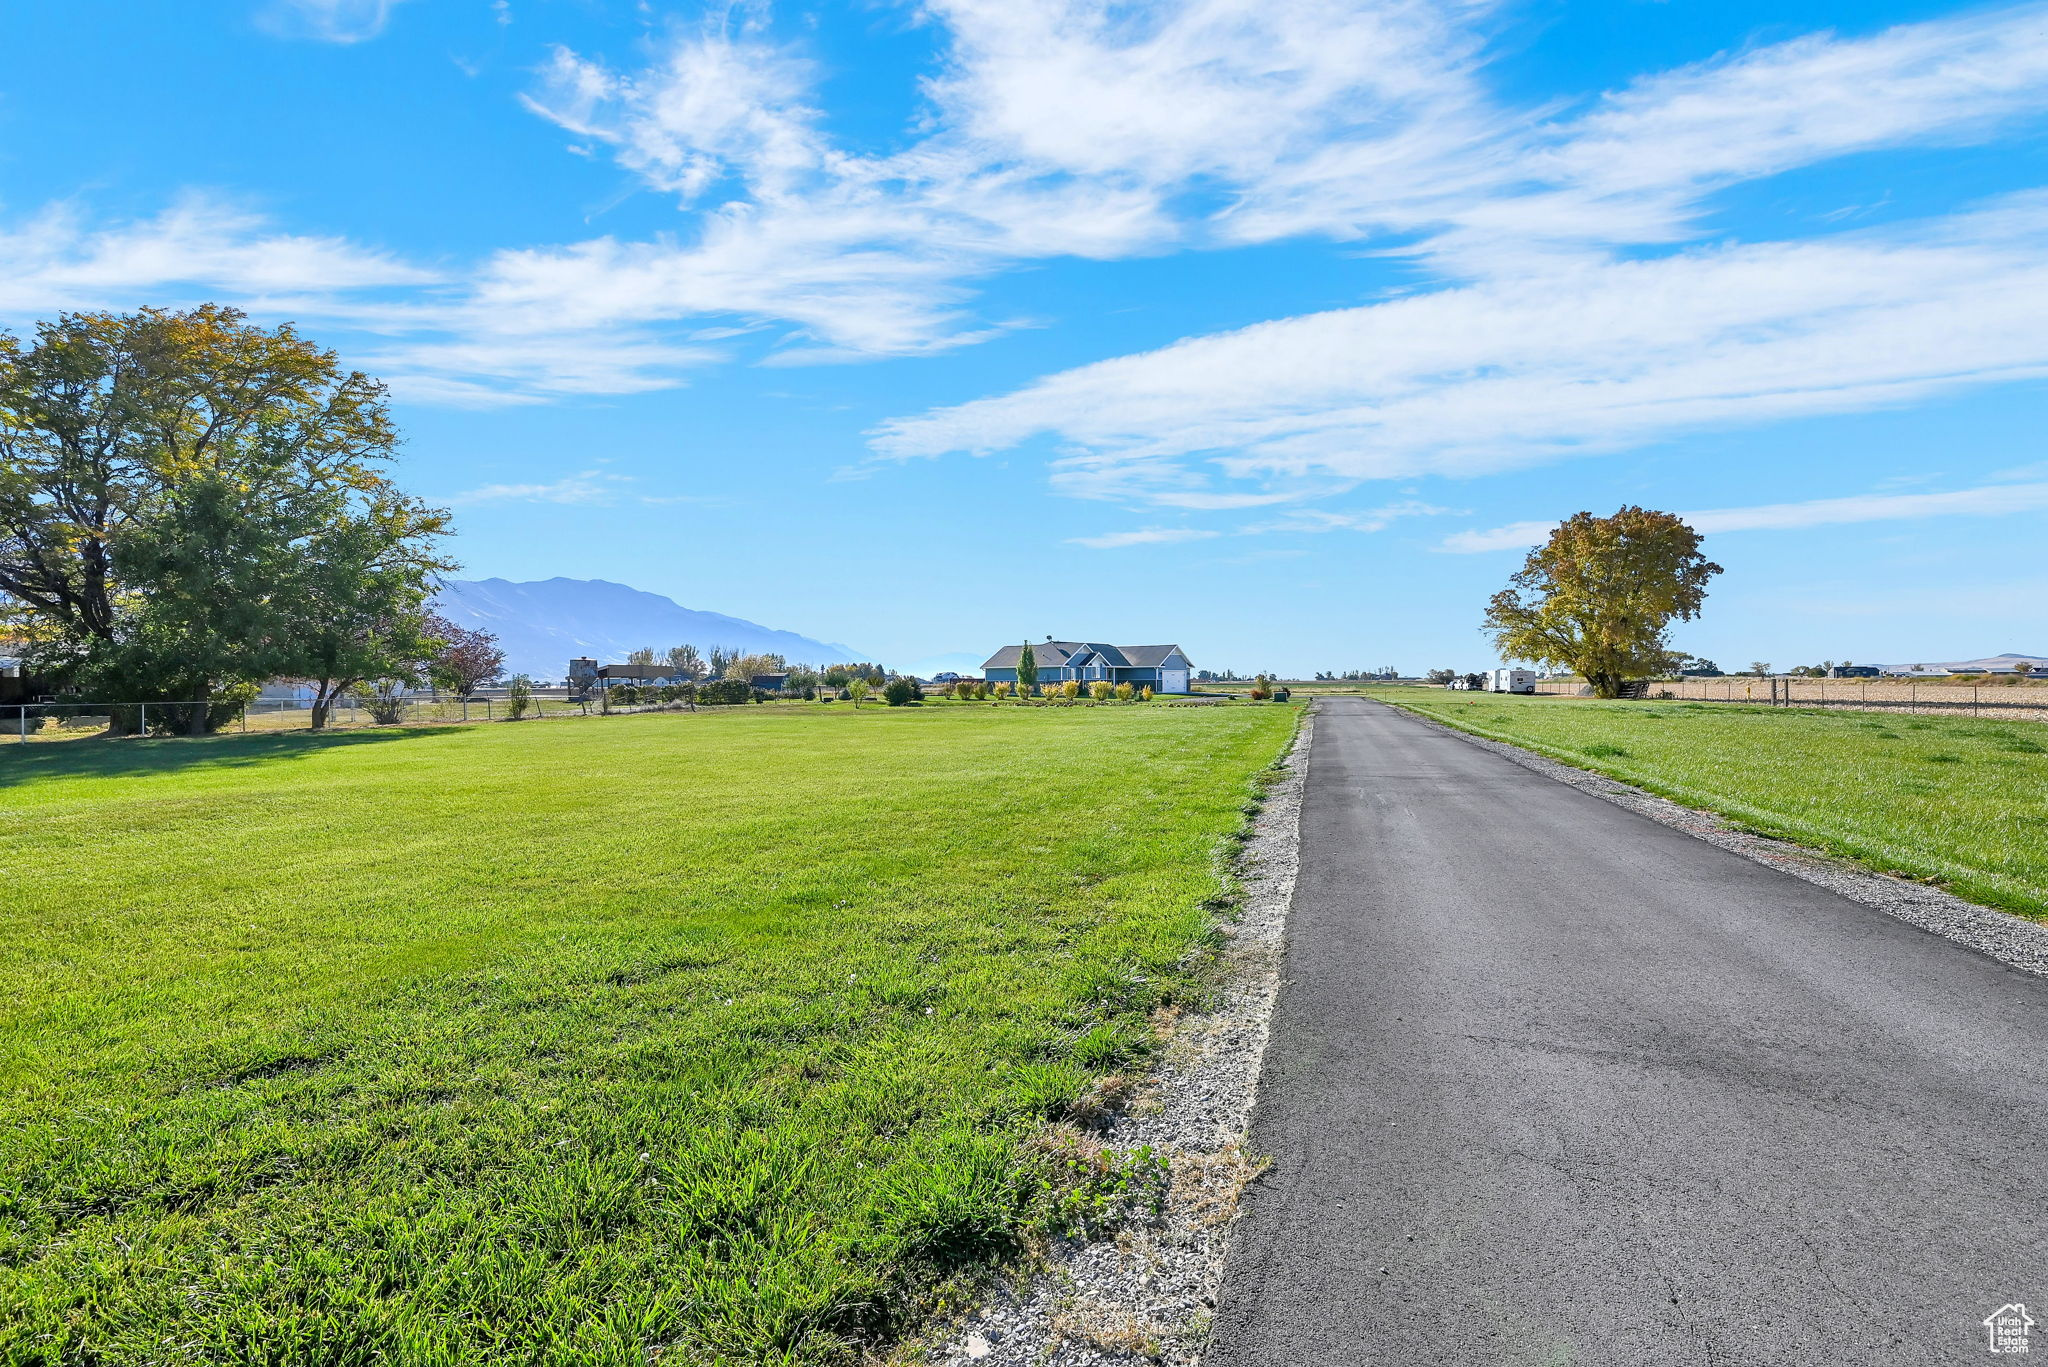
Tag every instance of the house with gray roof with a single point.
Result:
(1163, 669)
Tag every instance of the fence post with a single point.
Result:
(23, 709)
(1975, 710)
(142, 728)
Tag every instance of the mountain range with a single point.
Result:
(543, 624)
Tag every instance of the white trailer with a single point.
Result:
(1511, 681)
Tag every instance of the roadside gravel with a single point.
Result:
(1146, 1296)
(2012, 940)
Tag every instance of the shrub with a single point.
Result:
(725, 692)
(1002, 690)
(1145, 693)
(518, 697)
(386, 702)
(1099, 690)
(1070, 689)
(899, 692)
(1124, 692)
(625, 695)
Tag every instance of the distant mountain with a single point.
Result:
(541, 625)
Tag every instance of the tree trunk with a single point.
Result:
(197, 715)
(1605, 685)
(325, 692)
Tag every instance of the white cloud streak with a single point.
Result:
(1990, 501)
(1146, 536)
(1079, 128)
(326, 21)
(1510, 372)
(586, 487)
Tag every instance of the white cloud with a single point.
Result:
(1325, 520)
(327, 21)
(1147, 536)
(1989, 501)
(1515, 536)
(1504, 373)
(54, 261)
(587, 486)
(1078, 128)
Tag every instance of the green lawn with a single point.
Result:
(690, 1038)
(1949, 799)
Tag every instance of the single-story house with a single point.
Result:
(1163, 669)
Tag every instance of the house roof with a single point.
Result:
(637, 671)
(1056, 654)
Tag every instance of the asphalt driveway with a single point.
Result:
(1552, 1083)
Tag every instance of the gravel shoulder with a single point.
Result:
(2012, 940)
(1146, 1295)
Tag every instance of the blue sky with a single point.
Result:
(1278, 328)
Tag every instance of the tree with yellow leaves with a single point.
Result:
(1599, 596)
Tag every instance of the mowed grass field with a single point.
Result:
(711, 1038)
(1957, 801)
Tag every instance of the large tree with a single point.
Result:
(190, 504)
(1027, 671)
(1599, 596)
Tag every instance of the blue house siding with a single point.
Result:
(1161, 668)
(1137, 676)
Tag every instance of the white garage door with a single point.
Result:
(1173, 681)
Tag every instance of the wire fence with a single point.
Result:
(2017, 701)
(70, 719)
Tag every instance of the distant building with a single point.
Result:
(17, 685)
(656, 676)
(2033, 665)
(1163, 669)
(582, 673)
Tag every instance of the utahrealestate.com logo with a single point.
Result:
(2007, 1327)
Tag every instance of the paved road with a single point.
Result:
(1552, 1083)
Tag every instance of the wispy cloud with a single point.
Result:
(1584, 356)
(55, 260)
(1989, 501)
(326, 21)
(1146, 536)
(586, 486)
(1328, 520)
(1070, 128)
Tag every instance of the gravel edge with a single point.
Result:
(1146, 1296)
(2012, 940)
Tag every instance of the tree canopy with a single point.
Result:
(191, 504)
(1600, 595)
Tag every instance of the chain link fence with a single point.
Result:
(69, 719)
